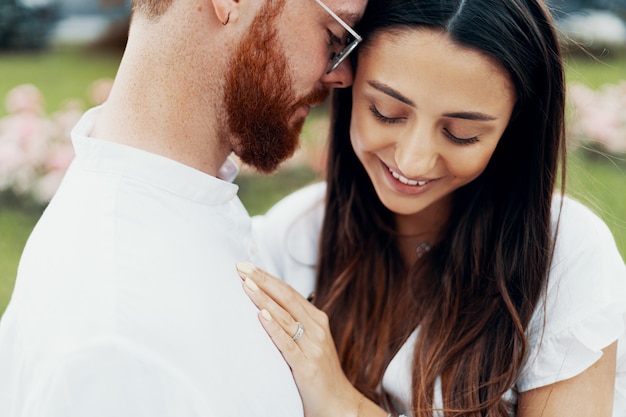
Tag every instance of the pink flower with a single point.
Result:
(99, 90)
(598, 116)
(25, 98)
(60, 157)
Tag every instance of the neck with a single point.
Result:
(418, 232)
(164, 99)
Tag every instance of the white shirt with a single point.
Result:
(127, 301)
(585, 299)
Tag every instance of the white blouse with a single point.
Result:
(585, 298)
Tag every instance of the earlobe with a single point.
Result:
(226, 11)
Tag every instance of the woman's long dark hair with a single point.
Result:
(473, 295)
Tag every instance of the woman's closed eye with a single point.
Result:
(447, 133)
(458, 140)
(383, 118)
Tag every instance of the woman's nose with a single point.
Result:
(416, 153)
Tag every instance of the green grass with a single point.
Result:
(599, 181)
(594, 72)
(63, 74)
(258, 193)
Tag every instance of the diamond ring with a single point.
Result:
(299, 332)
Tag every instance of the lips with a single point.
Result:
(407, 181)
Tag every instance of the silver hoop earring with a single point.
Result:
(227, 19)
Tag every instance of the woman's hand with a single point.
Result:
(302, 334)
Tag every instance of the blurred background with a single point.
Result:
(59, 57)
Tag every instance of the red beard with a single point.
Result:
(260, 99)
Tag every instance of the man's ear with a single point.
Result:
(226, 10)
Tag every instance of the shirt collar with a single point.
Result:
(114, 158)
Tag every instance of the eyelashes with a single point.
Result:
(383, 118)
(460, 141)
(393, 120)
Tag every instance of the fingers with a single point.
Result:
(283, 340)
(271, 309)
(279, 291)
(267, 304)
(271, 284)
(287, 307)
(301, 332)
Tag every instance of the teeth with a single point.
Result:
(405, 180)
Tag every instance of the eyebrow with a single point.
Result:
(470, 116)
(383, 88)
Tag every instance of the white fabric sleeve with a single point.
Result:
(116, 380)
(584, 308)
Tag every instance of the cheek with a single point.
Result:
(356, 138)
(469, 165)
(306, 67)
(365, 135)
(303, 77)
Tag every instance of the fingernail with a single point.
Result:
(266, 315)
(245, 268)
(251, 284)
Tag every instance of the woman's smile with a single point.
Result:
(425, 132)
(403, 185)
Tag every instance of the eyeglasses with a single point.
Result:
(352, 40)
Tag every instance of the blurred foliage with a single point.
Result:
(595, 71)
(598, 180)
(258, 193)
(567, 6)
(62, 74)
(23, 27)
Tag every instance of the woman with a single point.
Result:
(453, 280)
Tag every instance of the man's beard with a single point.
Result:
(259, 96)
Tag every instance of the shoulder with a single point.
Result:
(576, 220)
(302, 209)
(585, 253)
(587, 270)
(298, 203)
(582, 309)
(288, 234)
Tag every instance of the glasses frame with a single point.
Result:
(341, 56)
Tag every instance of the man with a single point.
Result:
(127, 302)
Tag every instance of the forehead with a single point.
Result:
(300, 12)
(350, 11)
(428, 67)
